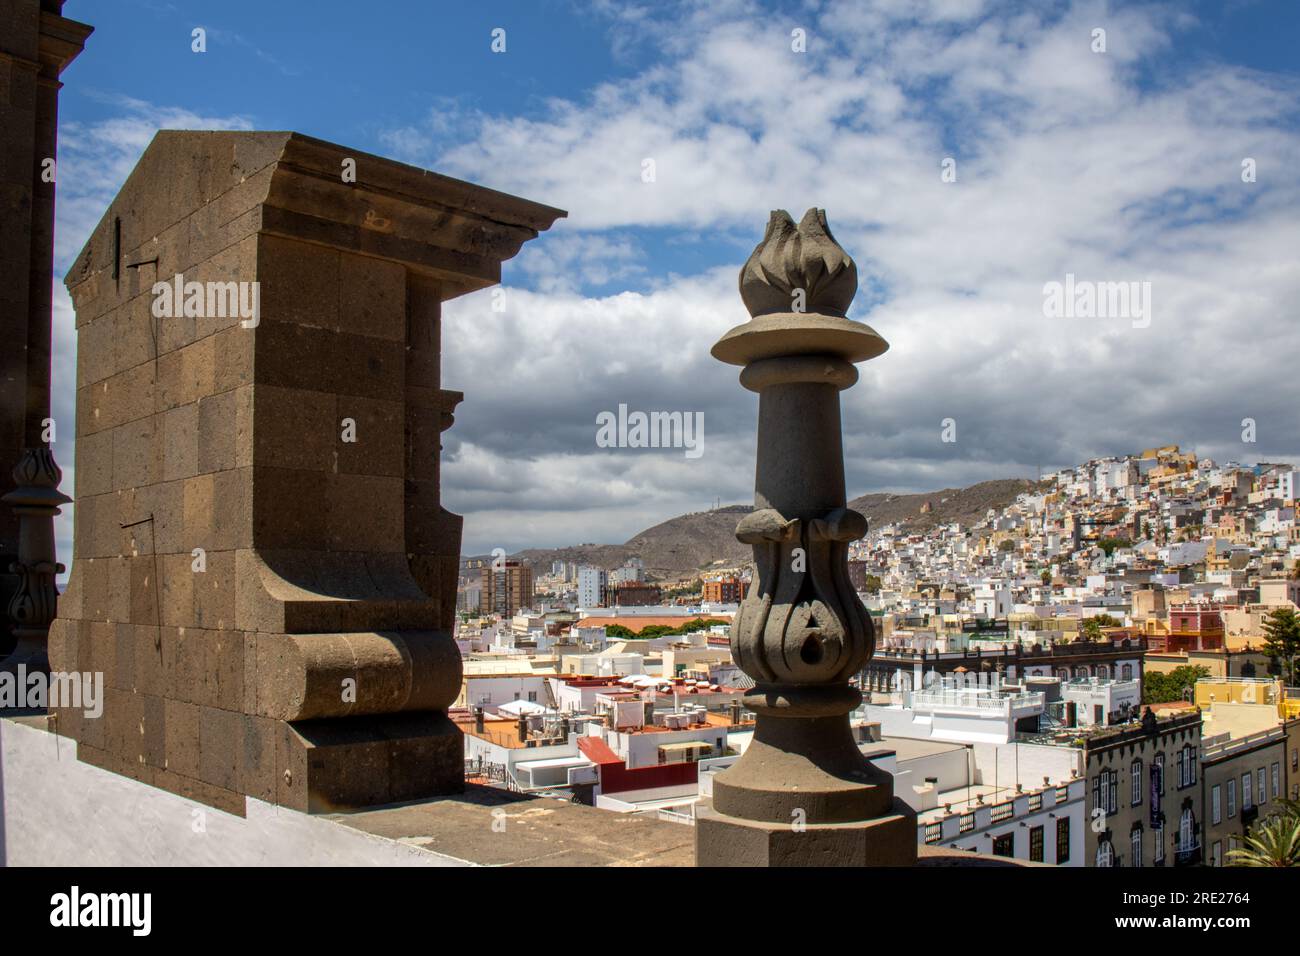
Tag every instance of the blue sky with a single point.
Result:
(1122, 165)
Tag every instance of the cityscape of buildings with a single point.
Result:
(1013, 690)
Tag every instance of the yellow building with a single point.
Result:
(1239, 690)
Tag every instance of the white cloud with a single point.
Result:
(1116, 166)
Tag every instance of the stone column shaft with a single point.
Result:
(51, 43)
(800, 471)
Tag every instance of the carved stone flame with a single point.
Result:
(806, 257)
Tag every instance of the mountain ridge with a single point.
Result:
(683, 546)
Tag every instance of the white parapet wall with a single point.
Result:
(57, 811)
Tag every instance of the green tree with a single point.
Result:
(1282, 640)
(1045, 576)
(1091, 628)
(654, 630)
(1272, 842)
(873, 584)
(1109, 545)
(1158, 688)
(618, 630)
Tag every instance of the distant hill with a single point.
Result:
(683, 546)
(963, 505)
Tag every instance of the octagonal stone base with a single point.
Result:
(730, 841)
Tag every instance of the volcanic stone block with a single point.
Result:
(154, 725)
(888, 840)
(258, 757)
(123, 672)
(268, 587)
(148, 660)
(223, 670)
(214, 592)
(221, 748)
(182, 737)
(182, 663)
(103, 647)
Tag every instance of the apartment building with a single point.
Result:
(591, 586)
(1042, 825)
(1144, 792)
(723, 591)
(631, 594)
(505, 587)
(1241, 777)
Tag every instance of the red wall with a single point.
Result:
(616, 778)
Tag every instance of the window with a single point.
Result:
(1004, 845)
(1062, 840)
(1276, 786)
(1135, 783)
(532, 696)
(1105, 853)
(1158, 773)
(1232, 798)
(1127, 672)
(1245, 791)
(1186, 831)
(1036, 844)
(1261, 790)
(1216, 810)
(1135, 839)
(1158, 843)
(1216, 853)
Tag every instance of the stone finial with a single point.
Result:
(801, 633)
(793, 258)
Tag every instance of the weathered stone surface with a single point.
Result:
(888, 840)
(36, 44)
(262, 556)
(802, 794)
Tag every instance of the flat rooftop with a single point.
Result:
(907, 748)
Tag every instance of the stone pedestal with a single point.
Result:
(802, 793)
(888, 840)
(264, 572)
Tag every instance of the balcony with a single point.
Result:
(976, 702)
(1188, 855)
